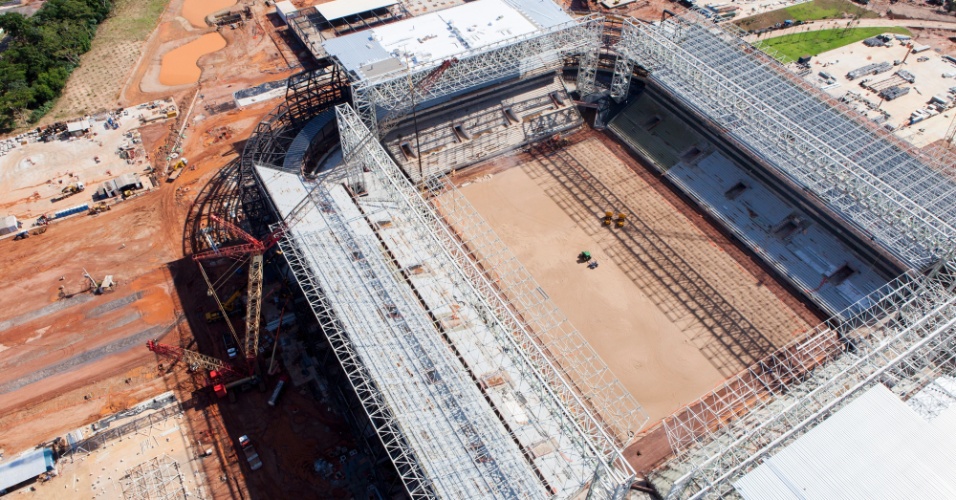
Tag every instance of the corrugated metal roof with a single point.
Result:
(78, 125)
(437, 36)
(344, 8)
(875, 447)
(25, 467)
(356, 51)
(544, 13)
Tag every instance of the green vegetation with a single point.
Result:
(44, 49)
(816, 42)
(135, 19)
(809, 11)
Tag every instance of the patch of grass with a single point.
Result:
(97, 82)
(817, 42)
(809, 11)
(131, 20)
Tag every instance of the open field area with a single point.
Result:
(34, 175)
(655, 330)
(96, 84)
(808, 11)
(816, 42)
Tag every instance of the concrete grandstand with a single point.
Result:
(471, 377)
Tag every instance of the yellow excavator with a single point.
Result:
(229, 305)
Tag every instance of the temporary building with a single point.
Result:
(10, 225)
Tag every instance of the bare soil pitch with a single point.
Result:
(652, 331)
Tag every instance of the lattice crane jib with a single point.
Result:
(193, 359)
(253, 308)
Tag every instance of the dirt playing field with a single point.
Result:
(673, 308)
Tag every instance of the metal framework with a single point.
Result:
(905, 341)
(371, 313)
(193, 359)
(157, 479)
(394, 93)
(883, 188)
(307, 94)
(253, 307)
(395, 352)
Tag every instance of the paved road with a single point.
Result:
(862, 23)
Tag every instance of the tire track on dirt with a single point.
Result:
(118, 346)
(45, 310)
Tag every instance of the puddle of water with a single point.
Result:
(179, 67)
(195, 11)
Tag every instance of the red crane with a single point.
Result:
(221, 374)
(252, 245)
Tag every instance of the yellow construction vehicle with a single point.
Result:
(229, 305)
(607, 218)
(73, 188)
(99, 207)
(621, 218)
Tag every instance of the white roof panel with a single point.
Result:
(285, 7)
(344, 8)
(25, 467)
(437, 36)
(875, 447)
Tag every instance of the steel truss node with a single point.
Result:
(537, 52)
(889, 192)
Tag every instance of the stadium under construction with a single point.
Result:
(474, 382)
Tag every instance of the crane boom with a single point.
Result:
(194, 359)
(253, 308)
(251, 246)
(433, 77)
(236, 229)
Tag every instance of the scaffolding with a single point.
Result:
(883, 188)
(465, 396)
(905, 341)
(158, 479)
(389, 96)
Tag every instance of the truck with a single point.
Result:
(250, 452)
(70, 190)
(178, 168)
(230, 345)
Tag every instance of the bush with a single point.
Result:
(43, 51)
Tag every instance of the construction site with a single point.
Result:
(485, 249)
